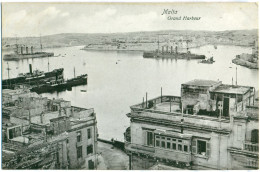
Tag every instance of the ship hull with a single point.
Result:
(46, 88)
(16, 57)
(10, 83)
(187, 56)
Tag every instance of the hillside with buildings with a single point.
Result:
(195, 38)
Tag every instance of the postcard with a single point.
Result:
(130, 85)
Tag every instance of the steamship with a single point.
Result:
(44, 82)
(19, 55)
(171, 52)
(32, 78)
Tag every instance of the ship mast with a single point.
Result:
(8, 69)
(16, 44)
(158, 45)
(41, 42)
(48, 64)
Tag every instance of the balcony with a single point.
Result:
(139, 148)
(159, 152)
(252, 147)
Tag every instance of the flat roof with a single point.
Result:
(201, 82)
(232, 89)
(165, 107)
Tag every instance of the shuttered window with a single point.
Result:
(150, 138)
(194, 146)
(201, 147)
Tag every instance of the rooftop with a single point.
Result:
(204, 83)
(232, 89)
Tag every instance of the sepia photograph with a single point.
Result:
(130, 85)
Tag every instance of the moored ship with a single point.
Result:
(171, 52)
(32, 78)
(19, 55)
(44, 82)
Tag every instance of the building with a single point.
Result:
(210, 126)
(39, 133)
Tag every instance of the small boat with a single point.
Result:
(208, 61)
(215, 47)
(83, 90)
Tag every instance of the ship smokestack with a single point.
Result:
(26, 50)
(30, 68)
(171, 49)
(162, 49)
(167, 49)
(21, 50)
(32, 49)
(56, 76)
(176, 50)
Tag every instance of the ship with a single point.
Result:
(44, 82)
(171, 52)
(22, 52)
(20, 55)
(125, 46)
(60, 84)
(32, 77)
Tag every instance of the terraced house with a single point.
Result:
(42, 133)
(210, 126)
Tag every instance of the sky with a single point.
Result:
(34, 19)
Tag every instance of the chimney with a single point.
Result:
(31, 49)
(41, 117)
(30, 68)
(26, 50)
(21, 50)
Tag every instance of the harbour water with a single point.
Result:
(117, 80)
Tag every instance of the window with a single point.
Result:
(79, 136)
(201, 147)
(254, 136)
(163, 144)
(168, 145)
(150, 139)
(174, 146)
(179, 147)
(79, 152)
(185, 148)
(157, 143)
(89, 149)
(89, 133)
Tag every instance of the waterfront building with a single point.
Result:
(210, 126)
(39, 133)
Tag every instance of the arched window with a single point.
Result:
(254, 136)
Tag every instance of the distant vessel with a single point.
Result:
(215, 47)
(171, 53)
(208, 61)
(43, 82)
(115, 46)
(31, 78)
(61, 84)
(19, 53)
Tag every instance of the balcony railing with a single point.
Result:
(136, 147)
(252, 147)
(159, 152)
